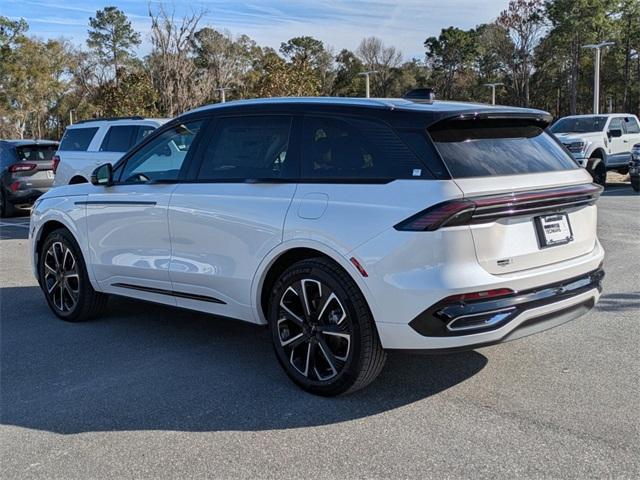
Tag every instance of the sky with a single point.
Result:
(338, 23)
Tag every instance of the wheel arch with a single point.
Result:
(77, 179)
(285, 255)
(47, 218)
(596, 157)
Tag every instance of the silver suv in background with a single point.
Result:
(90, 143)
(599, 142)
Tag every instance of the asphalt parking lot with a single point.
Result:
(152, 392)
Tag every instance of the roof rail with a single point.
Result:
(110, 119)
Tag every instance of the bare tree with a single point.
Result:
(173, 70)
(224, 60)
(524, 20)
(376, 56)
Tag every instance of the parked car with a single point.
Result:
(348, 226)
(634, 168)
(90, 143)
(599, 142)
(26, 172)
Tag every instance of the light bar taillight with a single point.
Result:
(22, 167)
(485, 209)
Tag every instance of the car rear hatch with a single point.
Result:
(526, 201)
(36, 162)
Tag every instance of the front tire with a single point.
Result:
(64, 280)
(322, 329)
(599, 174)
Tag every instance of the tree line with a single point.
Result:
(534, 49)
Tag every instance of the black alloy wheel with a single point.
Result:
(322, 329)
(64, 280)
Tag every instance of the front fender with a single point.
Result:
(66, 212)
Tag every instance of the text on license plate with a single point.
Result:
(553, 230)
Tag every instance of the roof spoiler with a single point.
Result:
(543, 119)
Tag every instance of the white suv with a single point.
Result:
(90, 143)
(599, 142)
(348, 226)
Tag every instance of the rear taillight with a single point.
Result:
(490, 208)
(55, 161)
(22, 167)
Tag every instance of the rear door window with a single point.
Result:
(77, 139)
(252, 147)
(482, 148)
(345, 148)
(119, 138)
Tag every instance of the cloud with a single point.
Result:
(340, 23)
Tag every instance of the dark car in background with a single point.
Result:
(26, 172)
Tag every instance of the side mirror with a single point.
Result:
(615, 133)
(103, 175)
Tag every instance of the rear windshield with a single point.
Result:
(77, 139)
(482, 148)
(34, 153)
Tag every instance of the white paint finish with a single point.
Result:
(220, 233)
(313, 205)
(357, 212)
(220, 239)
(514, 240)
(130, 243)
(402, 336)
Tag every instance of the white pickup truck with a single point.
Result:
(599, 142)
(90, 143)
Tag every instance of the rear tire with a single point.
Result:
(635, 183)
(322, 329)
(6, 209)
(63, 278)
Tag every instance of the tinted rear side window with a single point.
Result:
(77, 139)
(254, 147)
(355, 149)
(119, 139)
(482, 148)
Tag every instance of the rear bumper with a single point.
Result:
(527, 322)
(24, 197)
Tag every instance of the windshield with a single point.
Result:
(579, 125)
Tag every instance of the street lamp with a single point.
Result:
(493, 90)
(597, 47)
(366, 78)
(223, 96)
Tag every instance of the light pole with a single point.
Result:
(223, 96)
(366, 79)
(597, 47)
(493, 90)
